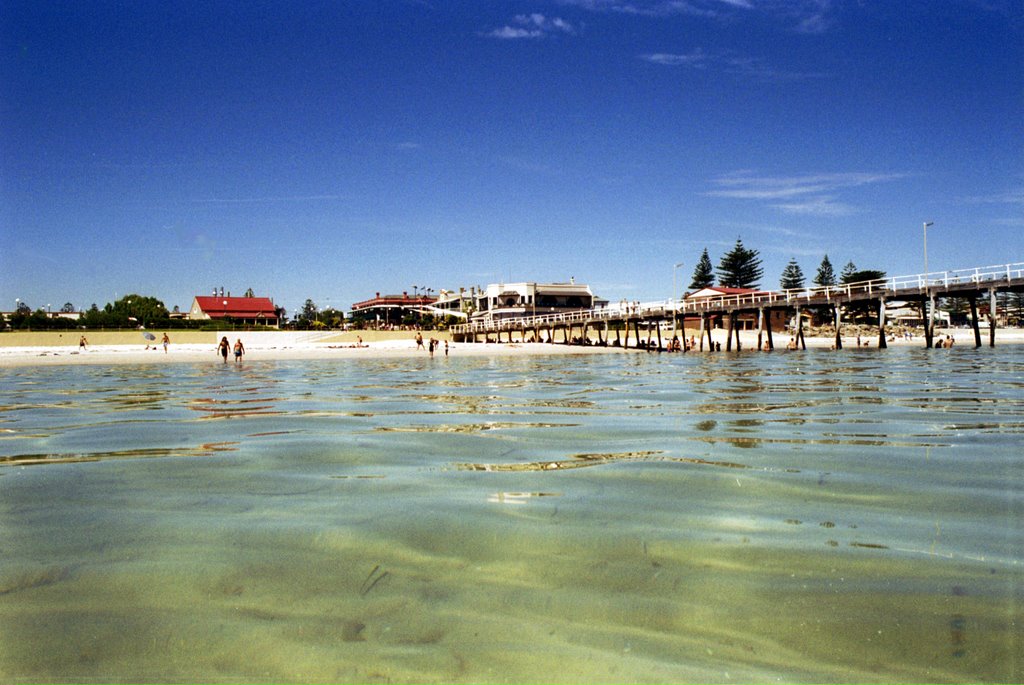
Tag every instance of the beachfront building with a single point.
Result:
(746, 321)
(513, 300)
(246, 311)
(451, 303)
(392, 311)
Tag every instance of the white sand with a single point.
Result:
(203, 353)
(278, 346)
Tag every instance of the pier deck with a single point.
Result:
(970, 284)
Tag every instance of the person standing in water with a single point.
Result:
(222, 347)
(239, 350)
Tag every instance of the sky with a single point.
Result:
(333, 150)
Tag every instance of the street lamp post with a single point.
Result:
(928, 330)
(674, 300)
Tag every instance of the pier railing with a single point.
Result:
(892, 287)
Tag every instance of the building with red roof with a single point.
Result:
(255, 311)
(746, 320)
(390, 310)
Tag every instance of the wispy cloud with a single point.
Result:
(696, 59)
(657, 8)
(824, 205)
(780, 230)
(807, 16)
(1014, 196)
(749, 67)
(532, 26)
(812, 194)
(801, 16)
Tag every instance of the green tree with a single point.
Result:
(307, 315)
(248, 293)
(740, 268)
(860, 275)
(792, 276)
(826, 275)
(141, 310)
(39, 320)
(703, 273)
(94, 318)
(847, 272)
(68, 308)
(332, 318)
(959, 309)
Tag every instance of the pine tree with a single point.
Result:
(740, 268)
(826, 275)
(703, 273)
(792, 276)
(848, 271)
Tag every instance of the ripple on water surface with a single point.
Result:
(815, 516)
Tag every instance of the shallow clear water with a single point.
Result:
(815, 516)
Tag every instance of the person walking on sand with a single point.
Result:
(82, 342)
(239, 350)
(223, 348)
(166, 341)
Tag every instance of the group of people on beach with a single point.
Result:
(166, 341)
(684, 345)
(433, 344)
(224, 345)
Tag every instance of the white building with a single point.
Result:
(512, 300)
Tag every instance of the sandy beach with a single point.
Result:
(50, 348)
(130, 347)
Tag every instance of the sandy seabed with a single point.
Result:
(129, 347)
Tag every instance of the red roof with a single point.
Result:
(724, 290)
(236, 307)
(402, 300)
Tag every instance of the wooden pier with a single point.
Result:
(923, 289)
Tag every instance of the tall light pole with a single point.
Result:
(926, 225)
(674, 311)
(927, 290)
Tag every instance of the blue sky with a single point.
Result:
(330, 150)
